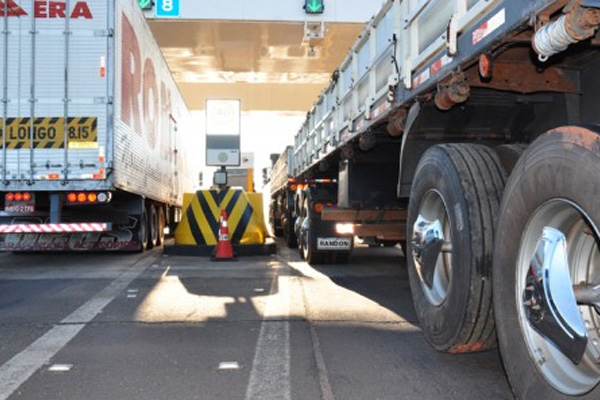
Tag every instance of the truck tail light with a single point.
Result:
(103, 197)
(19, 197)
(10, 197)
(87, 197)
(318, 207)
(26, 196)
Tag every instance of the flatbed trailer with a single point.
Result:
(473, 125)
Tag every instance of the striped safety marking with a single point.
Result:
(489, 26)
(383, 107)
(204, 211)
(55, 228)
(49, 133)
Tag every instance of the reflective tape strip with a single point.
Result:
(489, 26)
(56, 228)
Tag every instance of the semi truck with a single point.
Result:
(92, 129)
(467, 131)
(295, 209)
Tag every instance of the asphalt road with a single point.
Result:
(108, 326)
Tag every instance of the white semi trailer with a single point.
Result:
(92, 128)
(467, 130)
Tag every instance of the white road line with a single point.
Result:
(270, 375)
(21, 367)
(324, 383)
(326, 391)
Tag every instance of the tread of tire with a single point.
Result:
(486, 177)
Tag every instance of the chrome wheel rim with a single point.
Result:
(431, 248)
(563, 228)
(306, 242)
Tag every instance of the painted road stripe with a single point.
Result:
(21, 367)
(270, 375)
(324, 383)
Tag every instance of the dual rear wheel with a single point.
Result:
(151, 227)
(540, 240)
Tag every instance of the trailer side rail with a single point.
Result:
(405, 50)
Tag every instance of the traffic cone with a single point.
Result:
(224, 250)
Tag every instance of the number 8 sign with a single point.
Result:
(167, 9)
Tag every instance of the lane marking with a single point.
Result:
(228, 365)
(324, 383)
(326, 390)
(60, 368)
(21, 367)
(270, 377)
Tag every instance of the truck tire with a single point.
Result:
(142, 231)
(551, 198)
(172, 212)
(509, 154)
(404, 248)
(454, 202)
(161, 226)
(290, 236)
(277, 225)
(307, 251)
(152, 226)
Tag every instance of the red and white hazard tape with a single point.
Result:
(55, 228)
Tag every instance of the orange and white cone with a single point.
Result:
(224, 249)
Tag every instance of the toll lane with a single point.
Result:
(156, 327)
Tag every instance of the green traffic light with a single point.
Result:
(314, 6)
(145, 4)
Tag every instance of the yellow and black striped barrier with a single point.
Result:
(200, 222)
(49, 133)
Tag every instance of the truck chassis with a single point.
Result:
(477, 122)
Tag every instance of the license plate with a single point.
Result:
(334, 243)
(20, 208)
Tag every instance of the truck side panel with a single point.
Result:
(406, 49)
(55, 121)
(149, 113)
(282, 170)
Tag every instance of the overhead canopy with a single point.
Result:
(268, 65)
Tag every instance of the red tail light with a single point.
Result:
(82, 198)
(318, 207)
(10, 197)
(18, 197)
(26, 196)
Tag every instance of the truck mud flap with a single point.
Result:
(122, 238)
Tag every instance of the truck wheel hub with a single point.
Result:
(559, 248)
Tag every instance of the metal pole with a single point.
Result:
(32, 98)
(66, 99)
(5, 93)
